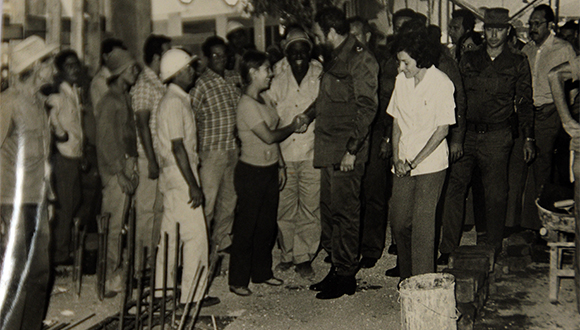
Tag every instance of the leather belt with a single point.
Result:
(487, 127)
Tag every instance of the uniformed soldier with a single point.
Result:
(344, 110)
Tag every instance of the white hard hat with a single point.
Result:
(173, 61)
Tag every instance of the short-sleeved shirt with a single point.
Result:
(575, 68)
(67, 109)
(214, 101)
(175, 120)
(24, 148)
(292, 99)
(254, 150)
(553, 52)
(419, 110)
(145, 96)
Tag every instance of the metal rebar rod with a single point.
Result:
(140, 274)
(79, 322)
(191, 294)
(152, 285)
(164, 277)
(175, 267)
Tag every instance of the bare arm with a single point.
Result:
(182, 160)
(557, 77)
(147, 141)
(274, 136)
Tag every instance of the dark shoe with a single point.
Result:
(210, 301)
(305, 270)
(338, 287)
(243, 291)
(273, 281)
(322, 284)
(443, 259)
(328, 259)
(393, 249)
(367, 262)
(284, 266)
(393, 272)
(481, 238)
(225, 251)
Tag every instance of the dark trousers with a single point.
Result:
(340, 216)
(490, 151)
(547, 125)
(376, 186)
(254, 229)
(67, 182)
(412, 213)
(25, 266)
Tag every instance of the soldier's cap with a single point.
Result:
(496, 18)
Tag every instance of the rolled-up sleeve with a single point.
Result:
(364, 71)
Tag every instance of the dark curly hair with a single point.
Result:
(211, 42)
(420, 47)
(61, 57)
(252, 59)
(332, 17)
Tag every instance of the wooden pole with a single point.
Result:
(76, 29)
(54, 22)
(260, 33)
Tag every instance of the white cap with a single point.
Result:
(173, 61)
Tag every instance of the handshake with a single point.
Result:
(300, 123)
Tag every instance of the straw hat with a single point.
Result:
(27, 52)
(119, 61)
(173, 61)
(496, 18)
(233, 26)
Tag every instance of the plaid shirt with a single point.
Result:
(214, 101)
(145, 96)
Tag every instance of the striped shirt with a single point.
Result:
(214, 102)
(145, 96)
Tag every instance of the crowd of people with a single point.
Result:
(312, 147)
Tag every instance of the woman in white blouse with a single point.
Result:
(423, 107)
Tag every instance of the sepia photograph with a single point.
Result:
(289, 164)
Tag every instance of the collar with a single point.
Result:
(67, 88)
(342, 50)
(178, 90)
(152, 76)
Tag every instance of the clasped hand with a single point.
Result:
(402, 168)
(300, 123)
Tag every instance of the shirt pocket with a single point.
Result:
(32, 147)
(336, 87)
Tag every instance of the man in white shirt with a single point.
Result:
(544, 52)
(67, 111)
(294, 88)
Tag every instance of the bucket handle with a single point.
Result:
(454, 317)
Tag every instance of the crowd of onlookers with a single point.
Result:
(313, 145)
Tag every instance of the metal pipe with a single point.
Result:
(140, 274)
(192, 290)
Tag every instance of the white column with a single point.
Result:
(174, 25)
(76, 29)
(221, 23)
(53, 23)
(260, 33)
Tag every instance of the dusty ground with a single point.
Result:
(518, 301)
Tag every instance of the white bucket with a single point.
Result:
(428, 302)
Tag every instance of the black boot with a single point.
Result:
(322, 284)
(337, 287)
